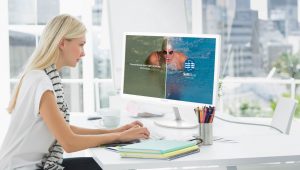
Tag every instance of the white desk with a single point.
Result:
(249, 149)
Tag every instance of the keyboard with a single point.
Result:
(155, 135)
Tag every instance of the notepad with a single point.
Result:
(157, 146)
(169, 155)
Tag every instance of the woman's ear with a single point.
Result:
(61, 44)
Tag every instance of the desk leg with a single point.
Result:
(231, 168)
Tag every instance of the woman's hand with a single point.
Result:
(128, 126)
(135, 132)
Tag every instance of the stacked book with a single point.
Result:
(159, 149)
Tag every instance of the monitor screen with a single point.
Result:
(176, 68)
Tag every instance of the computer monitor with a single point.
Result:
(172, 69)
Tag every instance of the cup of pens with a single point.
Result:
(205, 116)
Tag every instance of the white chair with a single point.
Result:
(283, 114)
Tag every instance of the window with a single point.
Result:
(258, 41)
(26, 20)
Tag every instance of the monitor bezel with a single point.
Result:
(171, 102)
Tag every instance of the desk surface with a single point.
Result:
(248, 150)
(253, 145)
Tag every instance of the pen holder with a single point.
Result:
(206, 133)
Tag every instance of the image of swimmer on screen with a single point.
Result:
(170, 67)
(167, 55)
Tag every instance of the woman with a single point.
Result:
(39, 130)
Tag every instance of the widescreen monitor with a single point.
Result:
(173, 69)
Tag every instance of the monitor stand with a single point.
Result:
(177, 123)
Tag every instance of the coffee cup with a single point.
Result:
(110, 117)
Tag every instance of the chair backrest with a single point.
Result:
(283, 114)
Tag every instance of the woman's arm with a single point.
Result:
(86, 131)
(71, 141)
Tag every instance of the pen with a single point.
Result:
(201, 116)
(212, 115)
(205, 114)
(94, 118)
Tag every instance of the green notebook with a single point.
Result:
(168, 155)
(157, 146)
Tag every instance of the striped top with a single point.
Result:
(53, 159)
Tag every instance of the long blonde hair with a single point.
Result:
(47, 51)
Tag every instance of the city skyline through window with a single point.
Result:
(258, 40)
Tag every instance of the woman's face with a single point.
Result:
(168, 54)
(72, 51)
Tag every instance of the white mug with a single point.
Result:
(110, 117)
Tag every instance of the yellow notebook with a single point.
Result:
(173, 154)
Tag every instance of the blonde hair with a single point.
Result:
(47, 51)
